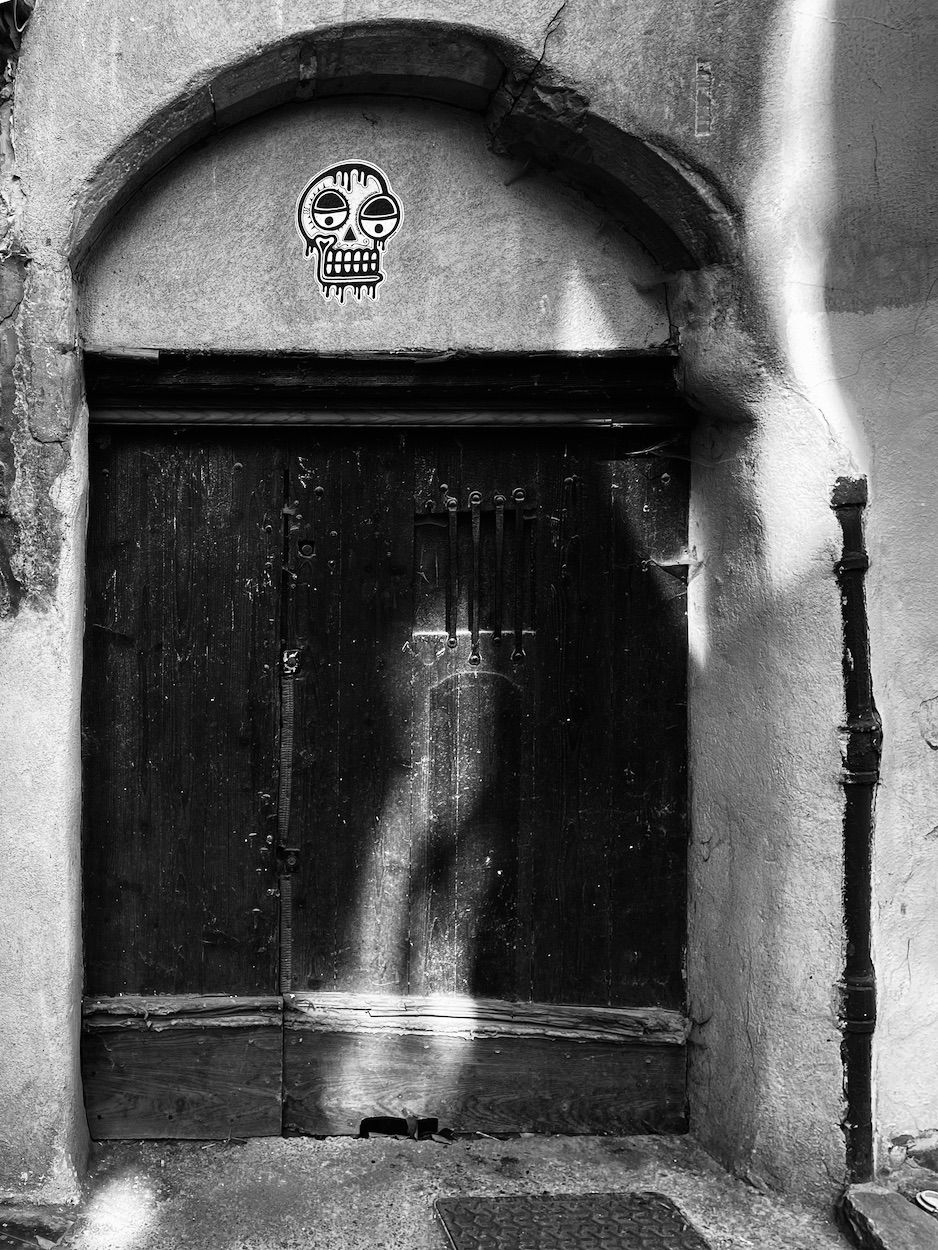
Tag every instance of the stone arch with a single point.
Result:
(530, 111)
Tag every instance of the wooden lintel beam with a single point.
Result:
(630, 382)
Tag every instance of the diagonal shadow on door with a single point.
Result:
(484, 848)
(509, 763)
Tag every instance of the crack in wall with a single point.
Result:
(549, 29)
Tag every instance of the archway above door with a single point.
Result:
(531, 111)
(576, 935)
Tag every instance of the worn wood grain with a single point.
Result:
(469, 721)
(312, 614)
(485, 852)
(484, 1084)
(174, 1011)
(609, 814)
(353, 749)
(180, 712)
(193, 1068)
(648, 607)
(471, 1017)
(375, 750)
(470, 916)
(513, 828)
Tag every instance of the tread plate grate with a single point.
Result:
(629, 1221)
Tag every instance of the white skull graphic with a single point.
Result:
(346, 216)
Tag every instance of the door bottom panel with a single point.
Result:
(481, 1065)
(214, 1067)
(185, 1066)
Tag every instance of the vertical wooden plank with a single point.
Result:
(592, 758)
(376, 743)
(469, 911)
(351, 888)
(431, 915)
(488, 787)
(608, 831)
(312, 618)
(544, 848)
(110, 714)
(576, 738)
(470, 723)
(650, 709)
(180, 713)
(236, 755)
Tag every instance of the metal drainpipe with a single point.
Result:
(862, 747)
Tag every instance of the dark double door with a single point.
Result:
(384, 780)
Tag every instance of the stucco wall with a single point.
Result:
(901, 372)
(42, 1130)
(805, 347)
(489, 256)
(882, 313)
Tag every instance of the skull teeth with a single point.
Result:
(350, 263)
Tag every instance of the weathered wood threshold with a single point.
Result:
(219, 1066)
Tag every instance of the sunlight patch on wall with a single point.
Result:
(581, 323)
(791, 212)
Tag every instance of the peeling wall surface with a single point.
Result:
(754, 182)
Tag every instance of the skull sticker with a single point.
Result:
(346, 216)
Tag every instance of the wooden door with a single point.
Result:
(426, 692)
(182, 1032)
(487, 809)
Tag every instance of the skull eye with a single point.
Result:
(330, 210)
(380, 217)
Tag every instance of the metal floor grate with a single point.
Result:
(631, 1221)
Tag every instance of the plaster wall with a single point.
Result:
(765, 859)
(882, 316)
(489, 256)
(792, 346)
(43, 1135)
(891, 357)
